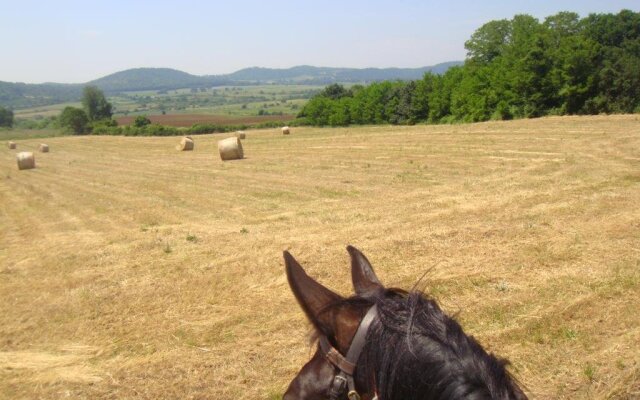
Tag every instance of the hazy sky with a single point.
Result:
(77, 41)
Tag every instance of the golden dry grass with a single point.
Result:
(131, 270)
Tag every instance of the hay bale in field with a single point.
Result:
(26, 160)
(186, 144)
(44, 148)
(241, 135)
(230, 149)
(11, 145)
(285, 130)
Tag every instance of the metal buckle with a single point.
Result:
(353, 395)
(338, 386)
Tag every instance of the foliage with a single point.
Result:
(102, 125)
(95, 104)
(334, 91)
(140, 121)
(162, 130)
(6, 117)
(518, 68)
(74, 119)
(132, 130)
(24, 95)
(37, 123)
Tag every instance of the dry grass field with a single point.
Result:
(129, 270)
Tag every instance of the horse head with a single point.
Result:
(388, 344)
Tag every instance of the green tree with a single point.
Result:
(75, 119)
(6, 117)
(473, 99)
(141, 121)
(420, 97)
(317, 111)
(95, 104)
(440, 97)
(374, 98)
(572, 61)
(335, 91)
(489, 41)
(399, 108)
(340, 112)
(616, 77)
(528, 66)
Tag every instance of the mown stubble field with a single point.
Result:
(131, 270)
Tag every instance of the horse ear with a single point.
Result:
(311, 295)
(365, 281)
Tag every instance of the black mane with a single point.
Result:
(415, 351)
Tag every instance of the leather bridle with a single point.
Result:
(347, 364)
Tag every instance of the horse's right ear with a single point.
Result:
(365, 281)
(312, 296)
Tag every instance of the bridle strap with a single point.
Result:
(335, 357)
(347, 365)
(358, 341)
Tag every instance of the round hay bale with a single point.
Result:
(11, 145)
(186, 144)
(230, 149)
(44, 148)
(241, 135)
(26, 160)
(285, 130)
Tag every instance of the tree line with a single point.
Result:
(518, 68)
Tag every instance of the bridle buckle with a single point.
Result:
(338, 386)
(353, 395)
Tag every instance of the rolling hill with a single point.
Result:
(24, 95)
(325, 75)
(152, 79)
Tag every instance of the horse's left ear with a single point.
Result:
(365, 281)
(312, 296)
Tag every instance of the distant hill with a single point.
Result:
(22, 95)
(154, 79)
(325, 75)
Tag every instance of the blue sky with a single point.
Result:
(77, 41)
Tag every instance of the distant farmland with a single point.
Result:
(190, 119)
(265, 103)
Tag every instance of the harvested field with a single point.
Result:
(187, 120)
(131, 270)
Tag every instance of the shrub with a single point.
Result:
(74, 119)
(141, 120)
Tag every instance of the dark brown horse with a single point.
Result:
(389, 344)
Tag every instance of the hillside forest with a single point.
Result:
(518, 68)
